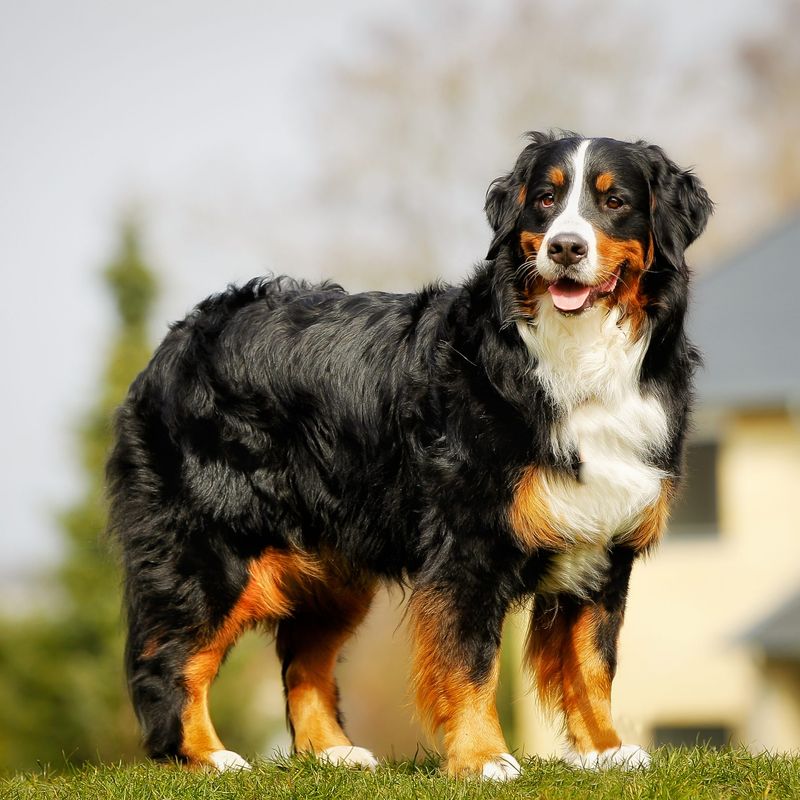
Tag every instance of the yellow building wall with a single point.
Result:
(680, 661)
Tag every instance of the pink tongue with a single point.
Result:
(568, 295)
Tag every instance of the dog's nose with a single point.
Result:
(567, 249)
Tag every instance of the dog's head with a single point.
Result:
(584, 220)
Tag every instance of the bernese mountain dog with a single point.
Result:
(290, 447)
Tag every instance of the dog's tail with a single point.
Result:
(158, 627)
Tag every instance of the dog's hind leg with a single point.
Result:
(308, 644)
(169, 680)
(171, 670)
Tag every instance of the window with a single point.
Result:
(691, 736)
(695, 511)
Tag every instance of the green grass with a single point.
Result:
(692, 774)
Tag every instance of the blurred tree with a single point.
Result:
(433, 106)
(771, 105)
(62, 690)
(62, 693)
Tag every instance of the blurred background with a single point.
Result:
(150, 153)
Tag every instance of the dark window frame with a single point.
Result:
(695, 513)
(715, 735)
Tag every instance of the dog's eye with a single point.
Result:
(614, 203)
(547, 200)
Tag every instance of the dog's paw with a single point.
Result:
(228, 761)
(501, 768)
(627, 756)
(349, 756)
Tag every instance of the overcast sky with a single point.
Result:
(198, 111)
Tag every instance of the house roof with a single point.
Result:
(745, 318)
(779, 633)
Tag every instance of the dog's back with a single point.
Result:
(284, 413)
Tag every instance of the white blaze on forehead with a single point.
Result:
(578, 171)
(571, 221)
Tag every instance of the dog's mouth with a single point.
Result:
(572, 297)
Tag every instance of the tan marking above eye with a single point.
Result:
(556, 176)
(604, 181)
(522, 194)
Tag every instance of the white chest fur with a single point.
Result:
(590, 366)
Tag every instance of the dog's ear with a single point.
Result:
(679, 206)
(502, 209)
(505, 197)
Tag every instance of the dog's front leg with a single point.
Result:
(456, 635)
(572, 649)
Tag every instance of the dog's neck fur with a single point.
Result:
(590, 356)
(590, 366)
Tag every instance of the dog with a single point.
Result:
(291, 447)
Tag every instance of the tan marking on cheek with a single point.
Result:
(528, 301)
(556, 176)
(530, 243)
(522, 194)
(530, 515)
(533, 285)
(613, 254)
(604, 181)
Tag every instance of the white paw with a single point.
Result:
(630, 756)
(226, 760)
(502, 768)
(350, 756)
(627, 756)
